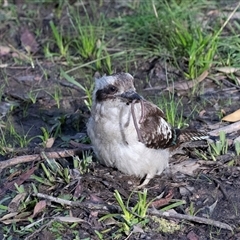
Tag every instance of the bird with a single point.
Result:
(128, 132)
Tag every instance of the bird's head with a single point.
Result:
(115, 87)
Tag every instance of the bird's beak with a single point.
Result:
(131, 95)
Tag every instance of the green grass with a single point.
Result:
(129, 218)
(154, 29)
(237, 148)
(82, 165)
(168, 28)
(10, 138)
(220, 147)
(87, 90)
(173, 110)
(62, 44)
(86, 36)
(82, 44)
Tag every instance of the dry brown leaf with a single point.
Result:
(192, 236)
(28, 41)
(185, 85)
(14, 204)
(162, 201)
(39, 207)
(50, 142)
(7, 216)
(233, 117)
(4, 50)
(22, 217)
(23, 177)
(70, 219)
(227, 69)
(202, 113)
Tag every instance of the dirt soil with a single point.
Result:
(211, 189)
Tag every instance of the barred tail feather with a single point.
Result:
(192, 135)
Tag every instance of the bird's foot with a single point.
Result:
(145, 181)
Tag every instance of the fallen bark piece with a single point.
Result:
(234, 127)
(38, 157)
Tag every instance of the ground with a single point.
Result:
(43, 110)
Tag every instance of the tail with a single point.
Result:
(187, 135)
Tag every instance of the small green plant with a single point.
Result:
(86, 40)
(173, 110)
(57, 95)
(237, 148)
(87, 91)
(201, 154)
(11, 138)
(58, 123)
(53, 173)
(82, 164)
(199, 49)
(130, 217)
(89, 42)
(63, 46)
(192, 210)
(220, 147)
(32, 95)
(47, 51)
(45, 136)
(104, 61)
(20, 188)
(56, 228)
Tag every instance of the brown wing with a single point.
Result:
(155, 131)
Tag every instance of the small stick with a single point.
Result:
(227, 129)
(206, 221)
(153, 211)
(38, 157)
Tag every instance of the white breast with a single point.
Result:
(115, 141)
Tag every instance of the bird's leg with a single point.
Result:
(135, 122)
(145, 182)
(142, 112)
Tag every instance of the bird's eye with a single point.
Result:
(112, 89)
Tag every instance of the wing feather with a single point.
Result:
(155, 130)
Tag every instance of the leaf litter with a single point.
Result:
(92, 194)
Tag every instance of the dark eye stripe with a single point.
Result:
(106, 93)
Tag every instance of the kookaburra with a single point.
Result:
(128, 132)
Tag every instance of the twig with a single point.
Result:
(38, 157)
(39, 230)
(155, 212)
(227, 129)
(84, 205)
(206, 221)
